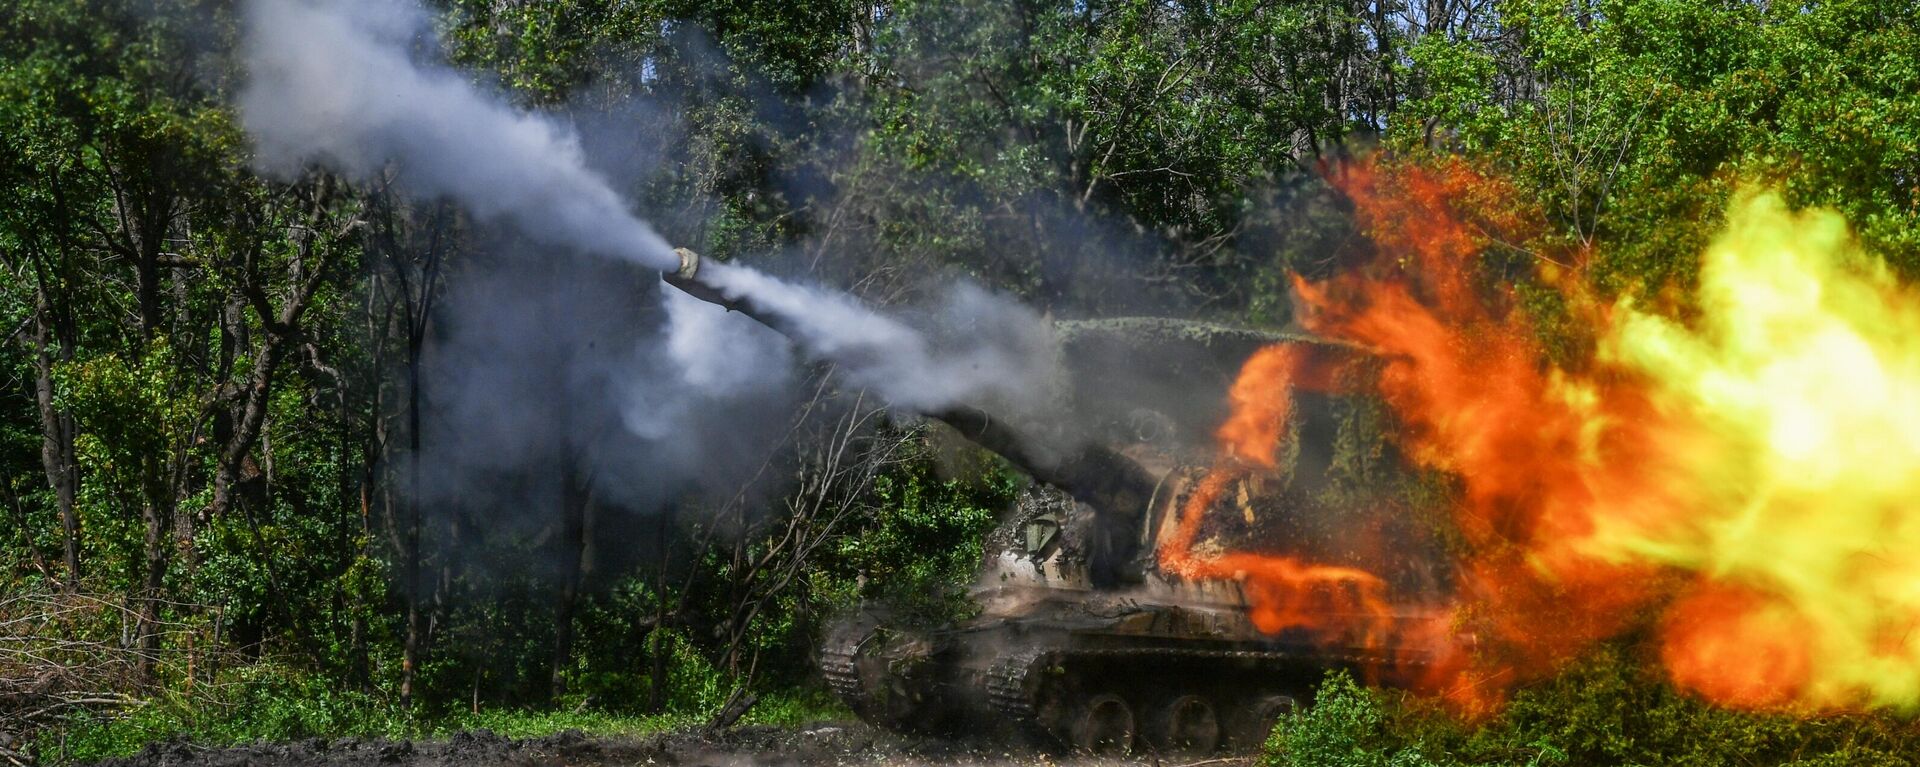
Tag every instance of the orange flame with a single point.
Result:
(1260, 405)
(1330, 604)
(1736, 647)
(1475, 398)
(1583, 496)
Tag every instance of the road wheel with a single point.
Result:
(1257, 719)
(1105, 726)
(1187, 724)
(902, 707)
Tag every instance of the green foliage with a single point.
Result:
(1172, 120)
(1092, 156)
(520, 723)
(693, 684)
(1649, 112)
(265, 702)
(1612, 708)
(133, 412)
(548, 51)
(1606, 709)
(259, 701)
(922, 544)
(797, 707)
(1347, 726)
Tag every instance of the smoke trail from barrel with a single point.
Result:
(338, 84)
(334, 83)
(985, 348)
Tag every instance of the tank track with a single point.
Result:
(1012, 682)
(839, 659)
(838, 666)
(1309, 655)
(1015, 685)
(1034, 690)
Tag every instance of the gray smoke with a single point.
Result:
(976, 346)
(333, 83)
(669, 405)
(560, 368)
(342, 84)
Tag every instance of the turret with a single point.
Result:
(1116, 487)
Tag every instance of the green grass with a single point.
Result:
(798, 707)
(268, 703)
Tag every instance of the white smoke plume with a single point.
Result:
(333, 83)
(988, 350)
(713, 357)
(338, 83)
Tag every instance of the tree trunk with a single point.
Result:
(575, 498)
(255, 400)
(359, 658)
(57, 438)
(147, 294)
(410, 553)
(657, 652)
(405, 513)
(158, 520)
(146, 214)
(657, 675)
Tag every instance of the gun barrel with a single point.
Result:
(1115, 486)
(688, 279)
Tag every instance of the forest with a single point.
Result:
(292, 452)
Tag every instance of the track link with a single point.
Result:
(839, 663)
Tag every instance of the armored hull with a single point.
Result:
(1163, 665)
(1080, 637)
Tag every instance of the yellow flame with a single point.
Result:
(1797, 476)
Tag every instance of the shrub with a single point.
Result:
(1607, 709)
(1347, 726)
(261, 701)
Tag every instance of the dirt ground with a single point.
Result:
(820, 745)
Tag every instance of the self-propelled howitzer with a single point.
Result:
(1081, 638)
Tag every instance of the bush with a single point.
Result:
(1347, 726)
(262, 701)
(1607, 709)
(1613, 708)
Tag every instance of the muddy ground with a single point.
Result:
(820, 745)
